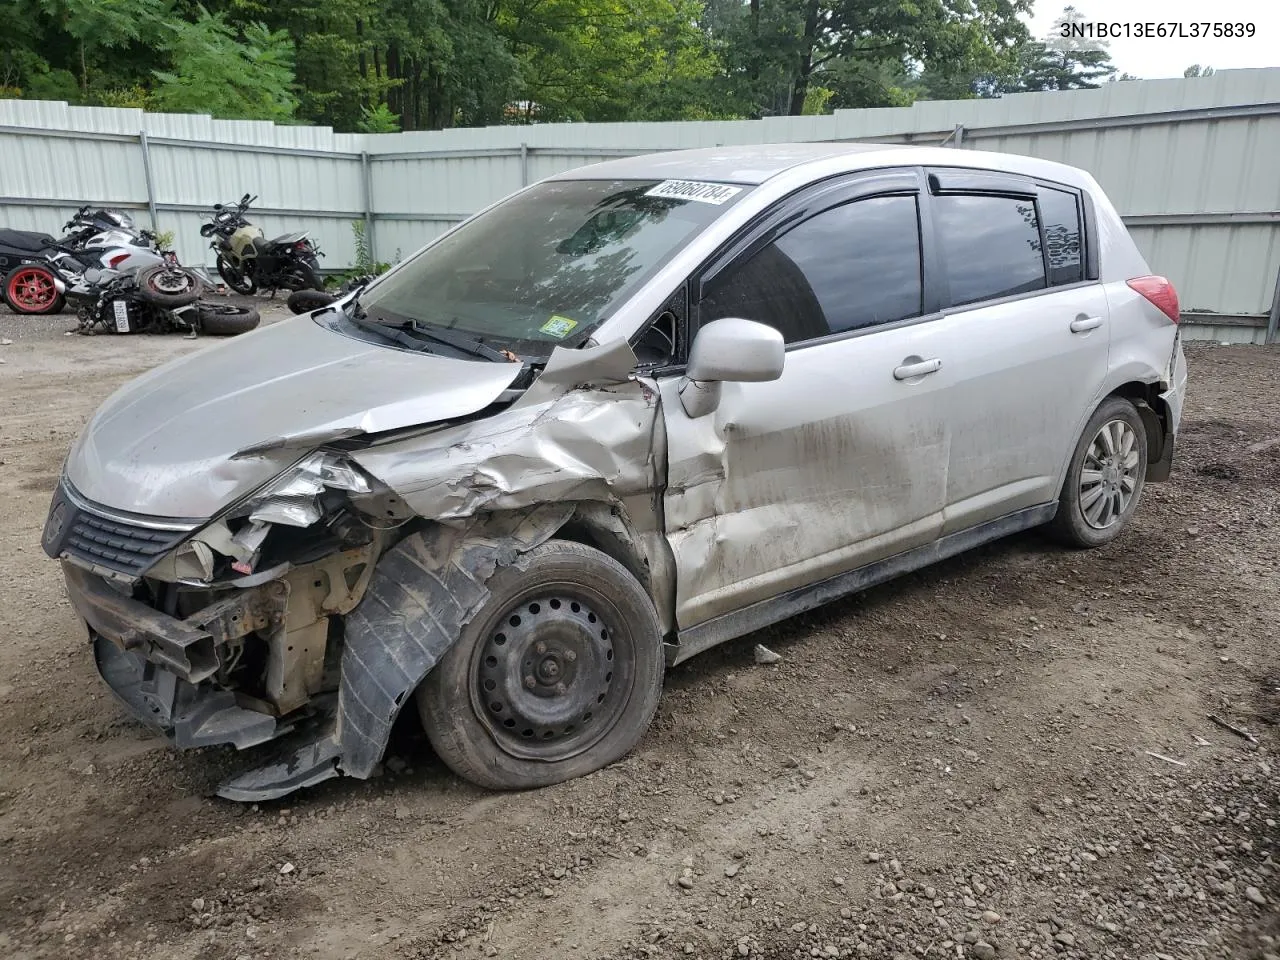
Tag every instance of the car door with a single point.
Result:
(841, 461)
(1029, 338)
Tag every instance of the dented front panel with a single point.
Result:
(589, 443)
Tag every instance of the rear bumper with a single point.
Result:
(1173, 398)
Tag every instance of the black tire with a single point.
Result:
(304, 301)
(303, 276)
(557, 599)
(160, 285)
(1075, 523)
(31, 289)
(233, 278)
(226, 319)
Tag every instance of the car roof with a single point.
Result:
(754, 164)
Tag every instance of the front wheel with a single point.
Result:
(233, 277)
(32, 289)
(225, 319)
(557, 676)
(1105, 479)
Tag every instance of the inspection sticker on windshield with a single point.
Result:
(558, 327)
(694, 190)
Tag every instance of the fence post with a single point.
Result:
(959, 136)
(524, 164)
(149, 176)
(366, 188)
(1273, 321)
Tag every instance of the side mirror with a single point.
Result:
(730, 350)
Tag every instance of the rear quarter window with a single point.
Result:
(1060, 217)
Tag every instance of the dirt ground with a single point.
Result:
(1009, 755)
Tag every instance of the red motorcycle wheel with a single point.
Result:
(29, 288)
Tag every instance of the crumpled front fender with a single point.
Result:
(423, 592)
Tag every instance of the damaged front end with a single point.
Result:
(229, 632)
(283, 618)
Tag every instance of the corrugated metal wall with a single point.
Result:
(1191, 165)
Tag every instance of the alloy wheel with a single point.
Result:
(32, 290)
(1109, 475)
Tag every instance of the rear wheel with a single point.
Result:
(557, 676)
(31, 289)
(168, 287)
(303, 276)
(226, 319)
(1105, 479)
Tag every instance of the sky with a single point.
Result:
(1150, 59)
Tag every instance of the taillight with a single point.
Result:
(1160, 292)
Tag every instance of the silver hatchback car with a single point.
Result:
(628, 413)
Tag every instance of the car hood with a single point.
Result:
(164, 444)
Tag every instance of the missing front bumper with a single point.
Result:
(190, 715)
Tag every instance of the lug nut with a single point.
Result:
(540, 647)
(560, 688)
(530, 682)
(570, 656)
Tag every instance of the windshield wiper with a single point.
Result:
(458, 341)
(412, 332)
(356, 315)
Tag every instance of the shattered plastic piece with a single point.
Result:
(764, 656)
(250, 538)
(193, 561)
(300, 512)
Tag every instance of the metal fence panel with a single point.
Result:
(1189, 163)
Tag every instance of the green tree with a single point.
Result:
(215, 71)
(611, 60)
(1195, 70)
(1063, 63)
(101, 27)
(871, 48)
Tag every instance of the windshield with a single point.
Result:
(549, 265)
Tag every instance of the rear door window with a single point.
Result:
(990, 246)
(850, 267)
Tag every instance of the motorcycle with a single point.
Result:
(248, 262)
(48, 270)
(121, 304)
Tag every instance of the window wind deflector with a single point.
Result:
(971, 181)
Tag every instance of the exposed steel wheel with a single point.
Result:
(30, 288)
(557, 675)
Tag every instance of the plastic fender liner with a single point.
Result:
(422, 593)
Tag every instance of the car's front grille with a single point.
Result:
(97, 536)
(120, 546)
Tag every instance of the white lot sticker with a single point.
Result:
(694, 190)
(122, 316)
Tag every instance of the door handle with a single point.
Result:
(1081, 324)
(922, 368)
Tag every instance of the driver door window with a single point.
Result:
(851, 267)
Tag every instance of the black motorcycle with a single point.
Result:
(248, 262)
(120, 304)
